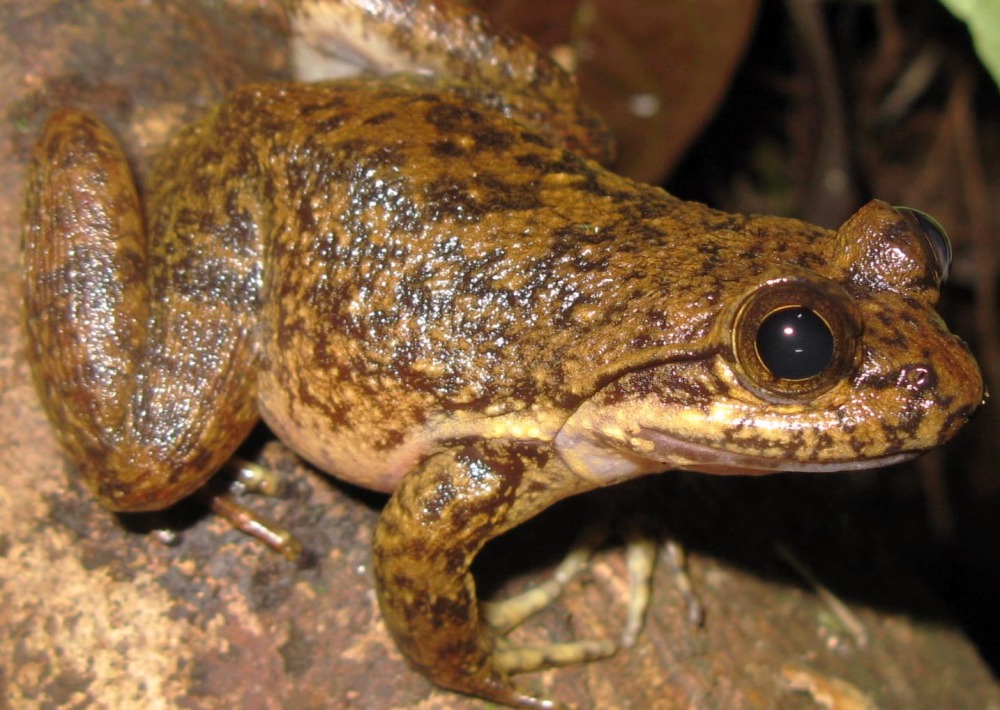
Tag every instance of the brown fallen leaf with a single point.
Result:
(656, 71)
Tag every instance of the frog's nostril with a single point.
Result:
(917, 377)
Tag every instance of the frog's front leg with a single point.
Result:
(436, 522)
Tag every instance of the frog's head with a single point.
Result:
(838, 364)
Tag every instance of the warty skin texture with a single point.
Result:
(424, 294)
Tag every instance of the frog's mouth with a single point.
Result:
(696, 417)
(605, 458)
(684, 455)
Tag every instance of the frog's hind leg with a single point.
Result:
(140, 351)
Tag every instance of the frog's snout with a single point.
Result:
(952, 389)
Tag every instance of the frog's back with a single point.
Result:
(425, 259)
(433, 269)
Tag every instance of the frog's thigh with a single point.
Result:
(428, 535)
(149, 392)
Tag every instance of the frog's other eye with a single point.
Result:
(934, 236)
(795, 338)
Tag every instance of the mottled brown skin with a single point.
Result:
(339, 38)
(425, 296)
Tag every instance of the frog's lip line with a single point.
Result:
(737, 468)
(706, 459)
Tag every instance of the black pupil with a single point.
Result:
(794, 343)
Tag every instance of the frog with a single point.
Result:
(419, 270)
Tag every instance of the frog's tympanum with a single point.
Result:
(425, 283)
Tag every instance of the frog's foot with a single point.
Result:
(250, 477)
(641, 553)
(503, 616)
(512, 612)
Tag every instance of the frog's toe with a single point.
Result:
(524, 659)
(252, 478)
(519, 700)
(509, 613)
(641, 553)
(640, 559)
(677, 557)
(252, 523)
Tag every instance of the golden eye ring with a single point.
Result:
(795, 338)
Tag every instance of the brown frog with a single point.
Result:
(424, 284)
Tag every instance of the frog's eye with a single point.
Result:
(935, 237)
(795, 338)
(794, 343)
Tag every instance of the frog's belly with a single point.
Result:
(372, 456)
(350, 458)
(373, 438)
